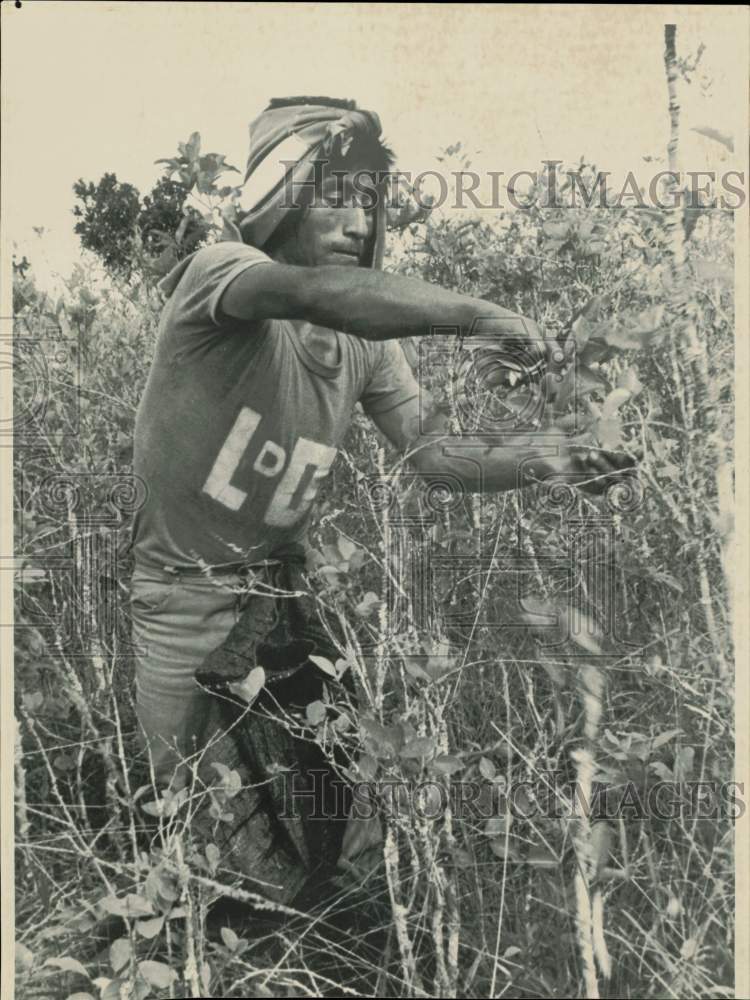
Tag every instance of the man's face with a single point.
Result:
(336, 229)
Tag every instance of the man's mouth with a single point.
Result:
(353, 254)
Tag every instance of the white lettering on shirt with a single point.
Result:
(277, 457)
(308, 465)
(218, 485)
(295, 493)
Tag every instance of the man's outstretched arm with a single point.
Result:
(368, 304)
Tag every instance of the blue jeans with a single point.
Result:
(178, 618)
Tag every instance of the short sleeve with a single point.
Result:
(195, 286)
(391, 382)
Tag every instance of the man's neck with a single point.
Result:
(321, 343)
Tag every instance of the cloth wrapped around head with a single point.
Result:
(286, 141)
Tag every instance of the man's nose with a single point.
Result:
(357, 223)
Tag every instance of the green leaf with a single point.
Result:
(168, 805)
(661, 771)
(67, 964)
(636, 332)
(346, 547)
(323, 664)
(629, 380)
(342, 666)
(684, 763)
(579, 382)
(689, 949)
(447, 764)
(357, 559)
(609, 432)
(231, 782)
(487, 768)
(556, 230)
(160, 889)
(498, 826)
(110, 989)
(193, 146)
(315, 713)
(422, 746)
(662, 738)
(377, 733)
(503, 848)
(342, 723)
(119, 953)
(33, 701)
(229, 938)
(614, 401)
(213, 857)
(24, 956)
(369, 603)
(131, 906)
(367, 767)
(149, 928)
(429, 667)
(331, 575)
(157, 974)
(723, 138)
(438, 667)
(535, 608)
(249, 687)
(413, 667)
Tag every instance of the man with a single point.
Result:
(265, 346)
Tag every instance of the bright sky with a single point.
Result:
(95, 87)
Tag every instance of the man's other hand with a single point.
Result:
(593, 470)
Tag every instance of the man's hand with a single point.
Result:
(593, 470)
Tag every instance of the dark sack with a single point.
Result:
(288, 818)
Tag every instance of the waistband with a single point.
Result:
(206, 572)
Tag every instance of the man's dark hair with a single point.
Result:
(327, 102)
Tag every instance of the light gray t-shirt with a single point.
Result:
(240, 422)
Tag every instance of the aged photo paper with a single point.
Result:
(374, 411)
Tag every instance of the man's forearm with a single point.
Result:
(378, 306)
(368, 304)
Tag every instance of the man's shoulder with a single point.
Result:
(225, 250)
(211, 263)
